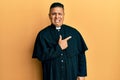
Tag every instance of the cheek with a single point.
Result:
(51, 19)
(62, 17)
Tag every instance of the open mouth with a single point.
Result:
(57, 21)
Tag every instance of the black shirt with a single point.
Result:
(61, 64)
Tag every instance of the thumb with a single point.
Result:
(60, 38)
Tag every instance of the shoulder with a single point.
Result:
(71, 29)
(45, 31)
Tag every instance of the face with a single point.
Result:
(56, 16)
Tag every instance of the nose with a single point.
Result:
(57, 16)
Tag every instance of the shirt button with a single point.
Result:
(62, 61)
(61, 54)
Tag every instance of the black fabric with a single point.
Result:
(61, 64)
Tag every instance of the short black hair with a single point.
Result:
(56, 4)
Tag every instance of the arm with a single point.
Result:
(44, 51)
(82, 67)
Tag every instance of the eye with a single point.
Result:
(53, 13)
(60, 14)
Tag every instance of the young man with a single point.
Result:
(60, 48)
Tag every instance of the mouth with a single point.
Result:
(57, 21)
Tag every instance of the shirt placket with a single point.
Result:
(62, 59)
(62, 66)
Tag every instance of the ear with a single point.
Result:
(49, 15)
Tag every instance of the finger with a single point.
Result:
(60, 38)
(68, 38)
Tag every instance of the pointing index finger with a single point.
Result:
(68, 38)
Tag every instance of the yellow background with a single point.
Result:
(97, 20)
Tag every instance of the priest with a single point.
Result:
(60, 48)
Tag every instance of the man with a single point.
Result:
(60, 48)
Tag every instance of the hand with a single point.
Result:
(80, 78)
(63, 42)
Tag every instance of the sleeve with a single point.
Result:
(42, 52)
(82, 66)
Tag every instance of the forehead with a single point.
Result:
(57, 9)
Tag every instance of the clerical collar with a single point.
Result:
(58, 28)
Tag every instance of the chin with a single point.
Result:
(58, 24)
